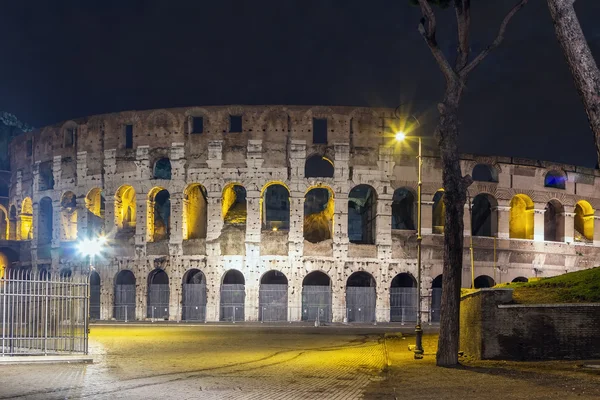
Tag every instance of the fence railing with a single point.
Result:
(43, 316)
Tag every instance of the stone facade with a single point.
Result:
(182, 189)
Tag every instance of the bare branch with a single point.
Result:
(484, 53)
(428, 33)
(462, 9)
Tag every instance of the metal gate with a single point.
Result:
(41, 317)
(403, 304)
(158, 301)
(436, 304)
(194, 302)
(360, 304)
(316, 303)
(124, 303)
(233, 297)
(273, 302)
(94, 302)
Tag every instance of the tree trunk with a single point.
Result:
(454, 199)
(581, 62)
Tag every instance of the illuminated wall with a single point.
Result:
(584, 222)
(194, 212)
(94, 202)
(521, 217)
(318, 214)
(68, 217)
(159, 214)
(125, 207)
(234, 208)
(26, 219)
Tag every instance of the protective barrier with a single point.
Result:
(316, 303)
(41, 317)
(158, 301)
(360, 304)
(233, 297)
(94, 302)
(436, 303)
(403, 304)
(124, 303)
(194, 302)
(273, 302)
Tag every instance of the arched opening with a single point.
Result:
(403, 203)
(195, 209)
(125, 210)
(68, 217)
(45, 221)
(94, 295)
(44, 272)
(484, 215)
(234, 205)
(4, 224)
(484, 281)
(273, 297)
(65, 273)
(403, 298)
(162, 169)
(436, 299)
(124, 309)
(555, 179)
(318, 214)
(584, 222)
(233, 296)
(521, 217)
(12, 224)
(26, 219)
(46, 176)
(361, 297)
(317, 166)
(275, 208)
(316, 297)
(94, 202)
(438, 215)
(520, 279)
(158, 295)
(362, 213)
(484, 173)
(159, 214)
(194, 296)
(554, 222)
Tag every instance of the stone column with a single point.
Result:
(382, 311)
(141, 221)
(56, 235)
(253, 224)
(569, 227)
(296, 233)
(176, 218)
(214, 223)
(383, 225)
(175, 290)
(35, 226)
(467, 230)
(538, 224)
(213, 296)
(338, 300)
(294, 300)
(340, 226)
(503, 221)
(107, 285)
(82, 219)
(109, 215)
(251, 304)
(141, 296)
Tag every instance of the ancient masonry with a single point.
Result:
(278, 213)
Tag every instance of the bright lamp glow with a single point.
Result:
(400, 136)
(91, 247)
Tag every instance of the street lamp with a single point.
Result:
(400, 136)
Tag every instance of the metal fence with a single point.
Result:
(360, 304)
(42, 317)
(232, 302)
(316, 303)
(436, 304)
(124, 308)
(194, 302)
(95, 302)
(403, 304)
(273, 302)
(158, 301)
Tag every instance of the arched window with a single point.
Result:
(362, 212)
(159, 214)
(403, 209)
(46, 176)
(584, 222)
(438, 216)
(162, 169)
(45, 221)
(318, 214)
(4, 223)
(94, 202)
(555, 179)
(484, 281)
(521, 217)
(484, 215)
(12, 224)
(275, 209)
(317, 166)
(195, 208)
(125, 209)
(68, 216)
(234, 209)
(26, 219)
(554, 222)
(484, 173)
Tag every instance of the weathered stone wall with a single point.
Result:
(492, 329)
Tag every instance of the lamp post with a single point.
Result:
(400, 136)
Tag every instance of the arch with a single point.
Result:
(26, 218)
(159, 214)
(361, 297)
(484, 215)
(234, 207)
(95, 285)
(403, 206)
(4, 223)
(403, 298)
(438, 213)
(162, 169)
(125, 209)
(233, 296)
(68, 216)
(318, 214)
(124, 303)
(316, 297)
(44, 272)
(95, 204)
(436, 299)
(195, 212)
(484, 281)
(45, 221)
(12, 233)
(193, 296)
(65, 273)
(520, 279)
(584, 222)
(484, 173)
(317, 166)
(275, 208)
(46, 176)
(521, 217)
(362, 213)
(273, 297)
(554, 222)
(555, 179)
(158, 295)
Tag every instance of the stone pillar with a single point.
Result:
(340, 226)
(467, 231)
(296, 233)
(503, 221)
(107, 285)
(82, 219)
(341, 161)
(253, 228)
(383, 225)
(143, 162)
(382, 311)
(81, 167)
(251, 304)
(338, 299)
(294, 301)
(297, 158)
(175, 291)
(569, 227)
(141, 230)
(538, 224)
(141, 296)
(57, 228)
(213, 297)
(35, 226)
(176, 218)
(57, 172)
(426, 216)
(214, 223)
(177, 159)
(109, 215)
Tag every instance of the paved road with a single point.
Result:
(210, 362)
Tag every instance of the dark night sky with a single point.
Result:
(67, 59)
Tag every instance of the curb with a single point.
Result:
(68, 359)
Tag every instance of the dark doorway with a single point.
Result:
(273, 297)
(233, 296)
(124, 309)
(158, 295)
(361, 297)
(194, 296)
(316, 297)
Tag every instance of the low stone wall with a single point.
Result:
(491, 328)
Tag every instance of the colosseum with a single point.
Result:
(277, 213)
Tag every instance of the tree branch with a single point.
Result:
(428, 33)
(484, 53)
(462, 9)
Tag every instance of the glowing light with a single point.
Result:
(400, 136)
(91, 247)
(274, 229)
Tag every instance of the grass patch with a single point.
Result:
(574, 287)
